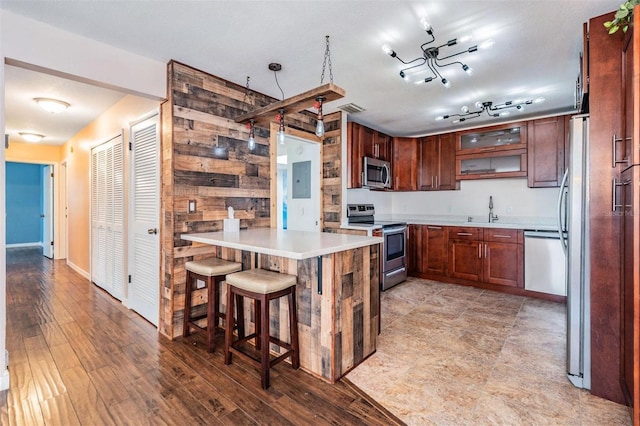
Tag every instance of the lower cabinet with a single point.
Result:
(467, 254)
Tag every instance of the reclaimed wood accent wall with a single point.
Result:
(205, 158)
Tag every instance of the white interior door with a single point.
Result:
(47, 211)
(144, 219)
(107, 217)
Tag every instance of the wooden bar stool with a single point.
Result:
(212, 271)
(263, 286)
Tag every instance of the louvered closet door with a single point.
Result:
(144, 237)
(107, 217)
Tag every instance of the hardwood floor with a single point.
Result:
(78, 357)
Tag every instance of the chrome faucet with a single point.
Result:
(492, 217)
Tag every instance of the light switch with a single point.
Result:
(192, 206)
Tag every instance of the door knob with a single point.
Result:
(152, 231)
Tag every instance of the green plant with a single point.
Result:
(623, 18)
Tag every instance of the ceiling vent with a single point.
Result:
(351, 108)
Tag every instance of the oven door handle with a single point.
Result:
(397, 271)
(394, 229)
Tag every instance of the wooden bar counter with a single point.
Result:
(338, 290)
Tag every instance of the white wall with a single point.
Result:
(512, 200)
(26, 42)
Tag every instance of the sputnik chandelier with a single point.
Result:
(432, 59)
(499, 110)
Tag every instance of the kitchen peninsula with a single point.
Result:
(337, 293)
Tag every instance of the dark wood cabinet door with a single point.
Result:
(630, 153)
(503, 263)
(414, 249)
(465, 259)
(447, 162)
(354, 156)
(545, 152)
(630, 292)
(434, 250)
(428, 164)
(383, 143)
(404, 166)
(367, 138)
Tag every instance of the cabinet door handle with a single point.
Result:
(479, 250)
(435, 227)
(491, 148)
(432, 186)
(465, 234)
(614, 201)
(614, 161)
(437, 185)
(485, 251)
(501, 236)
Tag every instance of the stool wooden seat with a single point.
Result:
(212, 271)
(263, 286)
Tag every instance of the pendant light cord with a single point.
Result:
(275, 74)
(327, 58)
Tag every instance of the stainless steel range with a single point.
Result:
(394, 246)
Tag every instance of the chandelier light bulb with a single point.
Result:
(465, 38)
(446, 83)
(464, 109)
(478, 104)
(466, 68)
(388, 50)
(538, 100)
(504, 113)
(425, 24)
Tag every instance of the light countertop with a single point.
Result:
(284, 243)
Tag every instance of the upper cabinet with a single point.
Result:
(436, 169)
(364, 142)
(405, 163)
(547, 138)
(492, 152)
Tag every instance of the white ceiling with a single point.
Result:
(536, 51)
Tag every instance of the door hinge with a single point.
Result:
(129, 279)
(130, 146)
(51, 242)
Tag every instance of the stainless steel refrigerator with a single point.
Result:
(573, 217)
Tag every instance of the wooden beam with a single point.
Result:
(297, 103)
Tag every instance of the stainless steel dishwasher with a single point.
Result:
(544, 263)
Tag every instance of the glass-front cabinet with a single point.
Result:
(492, 152)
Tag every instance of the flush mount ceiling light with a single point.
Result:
(31, 137)
(53, 106)
(499, 110)
(431, 56)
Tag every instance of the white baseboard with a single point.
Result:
(16, 245)
(78, 270)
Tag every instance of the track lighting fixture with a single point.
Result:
(499, 110)
(431, 56)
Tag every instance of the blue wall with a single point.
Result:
(24, 202)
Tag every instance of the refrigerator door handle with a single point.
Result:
(561, 198)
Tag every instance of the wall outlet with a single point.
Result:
(192, 206)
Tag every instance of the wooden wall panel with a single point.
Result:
(205, 158)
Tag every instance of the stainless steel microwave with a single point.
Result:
(376, 173)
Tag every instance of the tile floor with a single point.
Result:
(458, 355)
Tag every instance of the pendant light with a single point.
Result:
(320, 121)
(252, 136)
(320, 99)
(281, 134)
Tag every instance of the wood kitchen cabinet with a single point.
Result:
(503, 257)
(437, 165)
(427, 252)
(405, 164)
(546, 140)
(491, 255)
(465, 253)
(364, 142)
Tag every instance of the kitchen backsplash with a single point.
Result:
(512, 199)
